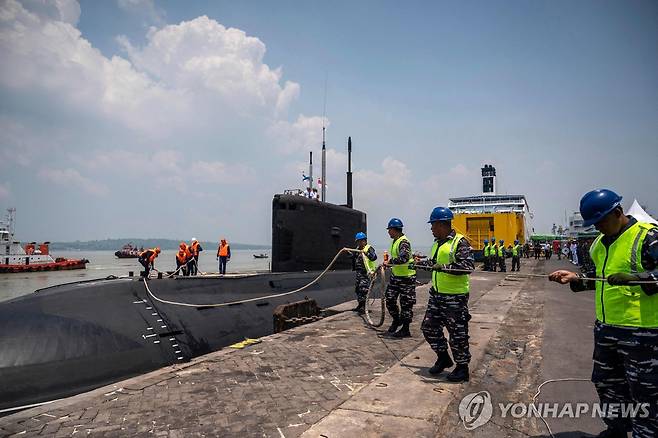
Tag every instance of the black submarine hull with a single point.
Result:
(75, 337)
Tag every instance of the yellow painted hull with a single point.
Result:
(481, 226)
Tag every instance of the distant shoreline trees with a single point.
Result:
(116, 244)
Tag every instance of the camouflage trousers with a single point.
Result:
(493, 261)
(405, 289)
(501, 264)
(451, 312)
(626, 371)
(361, 286)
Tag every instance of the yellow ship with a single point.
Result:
(490, 215)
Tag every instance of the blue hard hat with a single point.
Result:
(486, 241)
(516, 242)
(596, 204)
(440, 214)
(395, 223)
(493, 239)
(360, 235)
(502, 241)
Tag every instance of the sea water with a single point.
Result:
(104, 263)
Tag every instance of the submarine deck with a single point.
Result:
(339, 378)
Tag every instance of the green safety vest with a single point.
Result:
(369, 264)
(444, 282)
(494, 250)
(487, 250)
(515, 251)
(623, 305)
(403, 270)
(501, 251)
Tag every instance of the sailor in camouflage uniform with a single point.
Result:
(626, 328)
(493, 255)
(501, 256)
(363, 264)
(402, 283)
(448, 302)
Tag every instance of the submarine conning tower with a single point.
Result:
(307, 234)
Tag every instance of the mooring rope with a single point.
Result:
(523, 274)
(249, 300)
(352, 250)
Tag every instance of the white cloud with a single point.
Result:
(4, 191)
(19, 144)
(186, 78)
(384, 193)
(71, 177)
(168, 169)
(144, 8)
(300, 136)
(193, 110)
(48, 56)
(67, 11)
(453, 182)
(202, 55)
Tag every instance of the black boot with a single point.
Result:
(394, 325)
(403, 332)
(359, 308)
(459, 374)
(442, 362)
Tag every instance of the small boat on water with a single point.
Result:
(128, 251)
(261, 256)
(33, 257)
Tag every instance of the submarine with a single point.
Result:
(67, 339)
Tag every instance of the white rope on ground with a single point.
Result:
(534, 398)
(249, 300)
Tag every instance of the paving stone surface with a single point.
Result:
(280, 387)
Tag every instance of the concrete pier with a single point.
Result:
(340, 378)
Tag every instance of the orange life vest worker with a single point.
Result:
(194, 248)
(223, 249)
(181, 256)
(150, 254)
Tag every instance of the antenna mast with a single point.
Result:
(310, 170)
(11, 219)
(324, 147)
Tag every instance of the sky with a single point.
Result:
(141, 118)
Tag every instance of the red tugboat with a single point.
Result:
(31, 258)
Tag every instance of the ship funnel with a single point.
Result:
(350, 201)
(488, 180)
